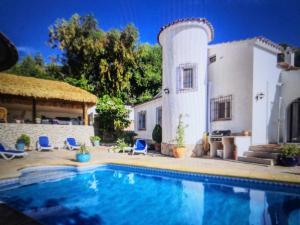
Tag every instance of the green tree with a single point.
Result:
(82, 83)
(39, 60)
(34, 66)
(146, 81)
(113, 115)
(107, 59)
(81, 42)
(55, 71)
(30, 66)
(118, 62)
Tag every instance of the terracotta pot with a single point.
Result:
(157, 147)
(178, 152)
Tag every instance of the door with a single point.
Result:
(295, 121)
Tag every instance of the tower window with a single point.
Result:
(186, 78)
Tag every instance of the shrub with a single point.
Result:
(24, 139)
(95, 138)
(180, 133)
(113, 115)
(120, 145)
(128, 137)
(83, 150)
(157, 134)
(289, 150)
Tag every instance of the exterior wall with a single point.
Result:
(131, 118)
(9, 133)
(184, 43)
(231, 74)
(264, 111)
(25, 111)
(150, 108)
(290, 91)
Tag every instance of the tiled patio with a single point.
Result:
(11, 168)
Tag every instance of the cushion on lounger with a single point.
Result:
(140, 144)
(71, 141)
(44, 141)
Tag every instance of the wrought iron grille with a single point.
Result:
(221, 108)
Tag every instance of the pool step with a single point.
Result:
(264, 161)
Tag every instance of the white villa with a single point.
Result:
(248, 87)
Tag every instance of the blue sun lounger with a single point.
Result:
(71, 143)
(10, 154)
(140, 146)
(43, 144)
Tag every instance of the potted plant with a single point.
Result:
(288, 155)
(179, 148)
(22, 142)
(83, 155)
(157, 137)
(95, 140)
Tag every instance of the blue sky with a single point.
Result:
(26, 22)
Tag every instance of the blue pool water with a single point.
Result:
(123, 195)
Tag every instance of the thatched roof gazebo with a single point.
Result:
(33, 91)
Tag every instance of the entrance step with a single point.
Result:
(264, 161)
(262, 154)
(265, 148)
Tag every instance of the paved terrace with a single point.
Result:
(9, 169)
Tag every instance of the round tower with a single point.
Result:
(184, 49)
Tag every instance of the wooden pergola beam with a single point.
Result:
(84, 114)
(33, 110)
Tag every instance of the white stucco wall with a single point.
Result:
(150, 108)
(231, 74)
(264, 111)
(184, 43)
(291, 86)
(290, 91)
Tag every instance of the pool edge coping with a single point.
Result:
(185, 171)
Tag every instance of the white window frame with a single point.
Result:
(142, 113)
(180, 77)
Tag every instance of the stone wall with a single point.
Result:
(57, 134)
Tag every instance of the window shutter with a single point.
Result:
(178, 78)
(195, 77)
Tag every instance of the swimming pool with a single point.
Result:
(115, 194)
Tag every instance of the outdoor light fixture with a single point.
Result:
(259, 96)
(167, 91)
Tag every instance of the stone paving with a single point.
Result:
(9, 169)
